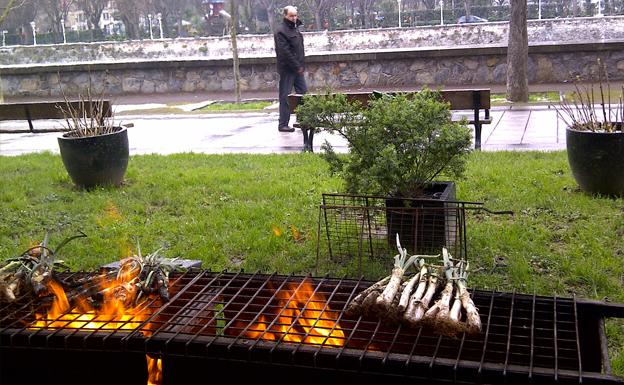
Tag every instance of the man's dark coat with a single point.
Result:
(289, 46)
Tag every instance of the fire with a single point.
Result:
(115, 312)
(305, 317)
(154, 370)
(113, 315)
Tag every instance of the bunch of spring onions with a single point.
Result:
(407, 295)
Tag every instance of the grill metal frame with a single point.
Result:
(525, 338)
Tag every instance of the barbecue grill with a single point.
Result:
(267, 328)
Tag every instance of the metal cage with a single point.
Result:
(358, 227)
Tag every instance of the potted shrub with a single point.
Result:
(398, 145)
(94, 149)
(595, 137)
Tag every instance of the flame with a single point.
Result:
(154, 370)
(115, 312)
(112, 315)
(305, 317)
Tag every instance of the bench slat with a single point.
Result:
(458, 99)
(44, 110)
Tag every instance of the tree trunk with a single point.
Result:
(518, 53)
(236, 66)
(131, 28)
(318, 21)
(271, 19)
(179, 20)
(467, 7)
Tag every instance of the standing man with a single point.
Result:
(290, 63)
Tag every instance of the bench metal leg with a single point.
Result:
(29, 117)
(476, 102)
(477, 135)
(308, 139)
(311, 140)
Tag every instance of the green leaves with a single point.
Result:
(396, 144)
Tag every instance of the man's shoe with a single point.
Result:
(285, 129)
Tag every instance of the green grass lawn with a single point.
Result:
(252, 105)
(217, 107)
(534, 97)
(259, 212)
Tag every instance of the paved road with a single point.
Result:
(534, 128)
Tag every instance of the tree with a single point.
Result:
(93, 12)
(172, 9)
(467, 6)
(428, 4)
(5, 9)
(366, 12)
(518, 53)
(56, 10)
(233, 28)
(270, 6)
(128, 11)
(16, 13)
(317, 7)
(247, 16)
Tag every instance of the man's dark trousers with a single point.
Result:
(287, 81)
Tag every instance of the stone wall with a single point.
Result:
(436, 67)
(251, 46)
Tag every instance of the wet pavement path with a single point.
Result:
(512, 128)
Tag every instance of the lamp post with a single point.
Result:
(34, 28)
(63, 29)
(539, 9)
(235, 63)
(149, 20)
(399, 3)
(159, 17)
(599, 14)
(4, 32)
(441, 12)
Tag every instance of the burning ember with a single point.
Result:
(302, 315)
(115, 311)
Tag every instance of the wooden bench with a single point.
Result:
(49, 110)
(474, 100)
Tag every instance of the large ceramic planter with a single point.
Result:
(597, 161)
(424, 224)
(96, 160)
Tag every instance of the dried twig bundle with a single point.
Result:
(579, 113)
(79, 123)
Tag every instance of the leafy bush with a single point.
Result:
(397, 143)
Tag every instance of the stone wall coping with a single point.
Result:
(530, 23)
(260, 46)
(318, 57)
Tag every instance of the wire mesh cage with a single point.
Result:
(359, 228)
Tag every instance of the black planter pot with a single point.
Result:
(424, 224)
(597, 161)
(96, 160)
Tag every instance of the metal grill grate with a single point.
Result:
(293, 321)
(361, 226)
